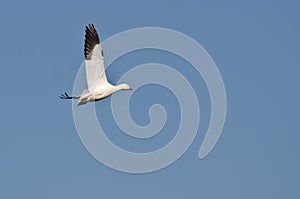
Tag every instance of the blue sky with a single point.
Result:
(255, 45)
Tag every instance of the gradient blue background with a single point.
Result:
(256, 47)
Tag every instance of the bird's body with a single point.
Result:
(101, 92)
(98, 86)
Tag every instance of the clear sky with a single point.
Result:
(255, 45)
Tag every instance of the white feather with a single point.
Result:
(95, 72)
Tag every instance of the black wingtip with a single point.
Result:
(65, 96)
(90, 26)
(91, 40)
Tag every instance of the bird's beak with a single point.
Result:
(130, 88)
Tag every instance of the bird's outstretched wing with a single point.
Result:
(94, 61)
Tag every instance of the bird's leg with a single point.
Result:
(66, 96)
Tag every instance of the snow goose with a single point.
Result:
(98, 86)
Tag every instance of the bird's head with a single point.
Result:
(124, 87)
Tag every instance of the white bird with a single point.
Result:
(98, 86)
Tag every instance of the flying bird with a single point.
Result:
(98, 86)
